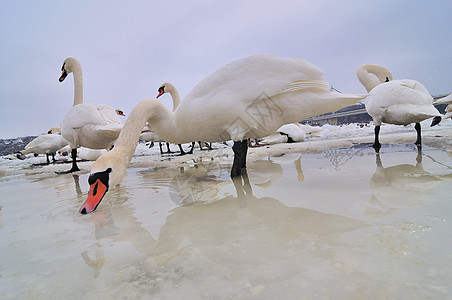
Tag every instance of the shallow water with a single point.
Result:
(345, 223)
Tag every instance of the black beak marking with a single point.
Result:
(95, 189)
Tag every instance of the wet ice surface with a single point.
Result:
(308, 221)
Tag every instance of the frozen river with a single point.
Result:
(341, 223)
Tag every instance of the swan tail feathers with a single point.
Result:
(351, 99)
(305, 84)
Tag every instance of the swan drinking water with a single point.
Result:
(89, 125)
(398, 102)
(248, 98)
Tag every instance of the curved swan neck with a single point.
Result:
(174, 94)
(78, 83)
(368, 81)
(131, 131)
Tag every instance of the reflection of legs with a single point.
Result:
(78, 190)
(419, 154)
(240, 150)
(243, 188)
(300, 175)
(97, 263)
(378, 160)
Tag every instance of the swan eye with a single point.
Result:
(102, 176)
(62, 68)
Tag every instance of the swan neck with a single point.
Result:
(174, 95)
(131, 131)
(176, 98)
(78, 84)
(369, 81)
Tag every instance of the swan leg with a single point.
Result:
(182, 152)
(377, 144)
(168, 148)
(418, 130)
(419, 155)
(161, 151)
(74, 163)
(48, 160)
(191, 148)
(240, 150)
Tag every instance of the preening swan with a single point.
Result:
(398, 102)
(248, 98)
(288, 133)
(90, 125)
(46, 144)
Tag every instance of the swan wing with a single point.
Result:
(90, 113)
(409, 113)
(91, 125)
(397, 93)
(46, 143)
(254, 96)
(252, 77)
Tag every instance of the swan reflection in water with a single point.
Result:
(400, 186)
(232, 230)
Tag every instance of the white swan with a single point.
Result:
(398, 102)
(90, 125)
(248, 98)
(292, 133)
(46, 144)
(288, 133)
(168, 87)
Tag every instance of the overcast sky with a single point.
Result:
(128, 48)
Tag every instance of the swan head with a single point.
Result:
(380, 74)
(99, 184)
(120, 112)
(165, 88)
(68, 66)
(107, 171)
(54, 130)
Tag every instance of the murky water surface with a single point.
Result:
(342, 224)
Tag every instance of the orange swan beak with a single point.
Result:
(98, 187)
